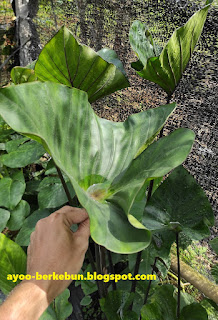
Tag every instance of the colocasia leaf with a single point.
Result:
(166, 69)
(106, 162)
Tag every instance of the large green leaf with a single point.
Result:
(26, 152)
(12, 261)
(166, 70)
(64, 60)
(180, 203)
(98, 156)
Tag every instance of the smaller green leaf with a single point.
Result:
(142, 42)
(21, 75)
(23, 237)
(61, 309)
(52, 194)
(214, 244)
(25, 153)
(179, 203)
(193, 311)
(166, 69)
(18, 215)
(110, 56)
(161, 306)
(86, 301)
(115, 304)
(12, 261)
(4, 217)
(11, 192)
(214, 272)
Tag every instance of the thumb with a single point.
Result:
(83, 229)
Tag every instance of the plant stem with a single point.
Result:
(111, 269)
(168, 101)
(64, 186)
(100, 283)
(138, 259)
(178, 263)
(149, 284)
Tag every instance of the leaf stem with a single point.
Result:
(64, 186)
(100, 284)
(178, 263)
(149, 284)
(111, 269)
(168, 101)
(138, 259)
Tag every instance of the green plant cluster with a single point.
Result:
(52, 141)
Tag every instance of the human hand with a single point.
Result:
(55, 248)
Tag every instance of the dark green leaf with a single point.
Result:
(23, 237)
(180, 202)
(115, 305)
(12, 261)
(64, 60)
(11, 192)
(167, 69)
(214, 244)
(162, 305)
(193, 311)
(18, 215)
(4, 217)
(24, 154)
(52, 194)
(106, 162)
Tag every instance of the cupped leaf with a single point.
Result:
(166, 70)
(12, 262)
(142, 43)
(4, 217)
(179, 203)
(18, 215)
(22, 75)
(52, 194)
(106, 162)
(64, 60)
(25, 152)
(11, 192)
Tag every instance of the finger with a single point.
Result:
(71, 215)
(83, 229)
